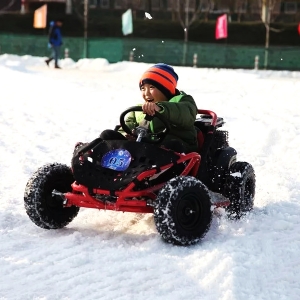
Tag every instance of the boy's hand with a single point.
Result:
(150, 108)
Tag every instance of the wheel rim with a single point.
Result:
(54, 202)
(189, 212)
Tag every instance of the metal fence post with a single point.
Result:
(66, 53)
(131, 56)
(256, 62)
(195, 60)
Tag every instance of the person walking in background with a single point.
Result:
(55, 42)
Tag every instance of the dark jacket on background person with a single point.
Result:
(55, 36)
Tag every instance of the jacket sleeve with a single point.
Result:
(180, 111)
(130, 120)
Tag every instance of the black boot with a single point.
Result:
(47, 61)
(57, 67)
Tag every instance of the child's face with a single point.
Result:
(152, 94)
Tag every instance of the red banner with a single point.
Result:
(221, 27)
(299, 28)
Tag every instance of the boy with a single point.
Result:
(158, 88)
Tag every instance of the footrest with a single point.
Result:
(218, 200)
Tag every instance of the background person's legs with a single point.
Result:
(47, 61)
(56, 54)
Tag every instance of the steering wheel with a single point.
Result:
(150, 137)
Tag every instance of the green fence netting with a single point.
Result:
(173, 52)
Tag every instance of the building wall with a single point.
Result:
(286, 11)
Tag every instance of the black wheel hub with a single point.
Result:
(189, 212)
(54, 201)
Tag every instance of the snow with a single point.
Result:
(236, 174)
(148, 16)
(115, 255)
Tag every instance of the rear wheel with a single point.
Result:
(240, 189)
(45, 209)
(182, 211)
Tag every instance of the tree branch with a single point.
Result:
(273, 29)
(9, 5)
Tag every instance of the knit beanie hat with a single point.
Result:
(163, 77)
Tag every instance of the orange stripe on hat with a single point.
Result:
(164, 73)
(165, 79)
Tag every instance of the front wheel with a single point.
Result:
(240, 189)
(44, 208)
(182, 211)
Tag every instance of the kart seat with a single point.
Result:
(200, 139)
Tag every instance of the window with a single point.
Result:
(255, 8)
(120, 4)
(241, 7)
(92, 3)
(290, 7)
(142, 5)
(192, 5)
(104, 3)
(172, 5)
(155, 4)
(137, 4)
(206, 6)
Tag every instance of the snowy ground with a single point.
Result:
(110, 255)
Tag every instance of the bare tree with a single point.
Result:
(174, 10)
(149, 6)
(8, 6)
(237, 6)
(81, 9)
(77, 8)
(206, 7)
(183, 9)
(134, 5)
(266, 16)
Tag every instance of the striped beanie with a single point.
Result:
(163, 77)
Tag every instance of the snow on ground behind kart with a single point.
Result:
(110, 255)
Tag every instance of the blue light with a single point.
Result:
(118, 159)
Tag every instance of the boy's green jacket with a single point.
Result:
(181, 111)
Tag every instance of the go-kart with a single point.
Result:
(181, 190)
